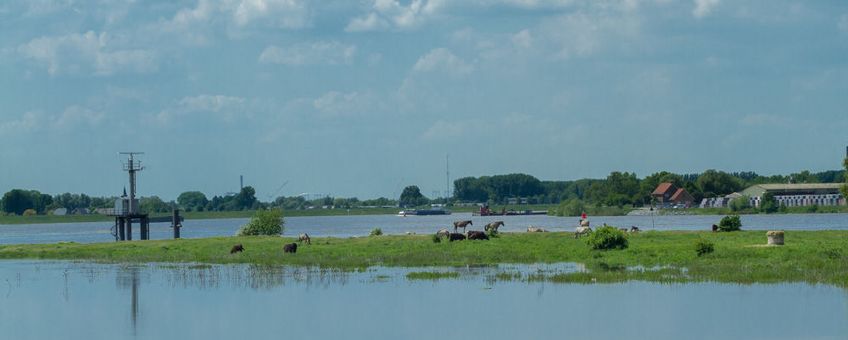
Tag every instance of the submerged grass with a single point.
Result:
(431, 275)
(808, 256)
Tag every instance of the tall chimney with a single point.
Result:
(241, 182)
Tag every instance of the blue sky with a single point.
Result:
(360, 98)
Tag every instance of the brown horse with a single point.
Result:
(494, 226)
(461, 224)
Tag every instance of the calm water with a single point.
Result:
(345, 226)
(65, 300)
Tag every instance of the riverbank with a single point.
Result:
(809, 256)
(210, 215)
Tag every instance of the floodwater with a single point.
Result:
(68, 300)
(359, 225)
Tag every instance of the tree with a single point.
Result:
(718, 183)
(412, 197)
(192, 200)
(246, 198)
(769, 204)
(17, 201)
(153, 204)
(845, 187)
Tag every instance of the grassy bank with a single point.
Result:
(199, 215)
(809, 256)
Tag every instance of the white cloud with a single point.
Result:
(580, 34)
(226, 107)
(280, 13)
(28, 122)
(522, 39)
(703, 8)
(442, 60)
(392, 14)
(77, 115)
(338, 103)
(88, 52)
(443, 130)
(322, 52)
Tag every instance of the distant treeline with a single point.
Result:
(620, 188)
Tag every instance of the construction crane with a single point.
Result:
(274, 195)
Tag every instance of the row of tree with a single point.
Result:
(621, 188)
(617, 189)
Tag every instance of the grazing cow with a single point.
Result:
(304, 238)
(477, 235)
(461, 224)
(634, 229)
(456, 237)
(494, 226)
(532, 229)
(237, 249)
(582, 231)
(290, 248)
(443, 233)
(715, 228)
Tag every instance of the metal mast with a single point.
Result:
(447, 177)
(132, 166)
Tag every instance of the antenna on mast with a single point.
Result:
(132, 166)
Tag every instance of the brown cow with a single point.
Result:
(237, 249)
(456, 237)
(477, 235)
(290, 248)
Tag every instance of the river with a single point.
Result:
(359, 225)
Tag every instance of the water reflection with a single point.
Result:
(103, 301)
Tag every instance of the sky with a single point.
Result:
(362, 98)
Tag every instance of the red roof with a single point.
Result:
(681, 195)
(663, 188)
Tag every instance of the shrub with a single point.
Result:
(703, 247)
(436, 238)
(29, 212)
(376, 232)
(607, 237)
(730, 223)
(740, 203)
(493, 233)
(264, 222)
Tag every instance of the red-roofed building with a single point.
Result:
(668, 194)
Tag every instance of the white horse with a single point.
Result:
(582, 231)
(532, 229)
(443, 232)
(304, 238)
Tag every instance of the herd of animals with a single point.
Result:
(583, 229)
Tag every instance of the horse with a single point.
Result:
(584, 222)
(443, 233)
(634, 229)
(461, 224)
(532, 229)
(477, 235)
(715, 228)
(237, 249)
(290, 248)
(581, 231)
(494, 226)
(456, 237)
(304, 237)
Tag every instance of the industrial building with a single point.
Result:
(797, 195)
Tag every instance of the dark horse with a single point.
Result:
(290, 248)
(477, 235)
(456, 237)
(237, 249)
(461, 224)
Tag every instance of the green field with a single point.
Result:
(809, 256)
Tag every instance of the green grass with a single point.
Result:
(431, 275)
(197, 215)
(808, 256)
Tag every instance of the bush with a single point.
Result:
(436, 238)
(493, 233)
(29, 212)
(264, 222)
(376, 232)
(730, 223)
(607, 237)
(703, 247)
(740, 203)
